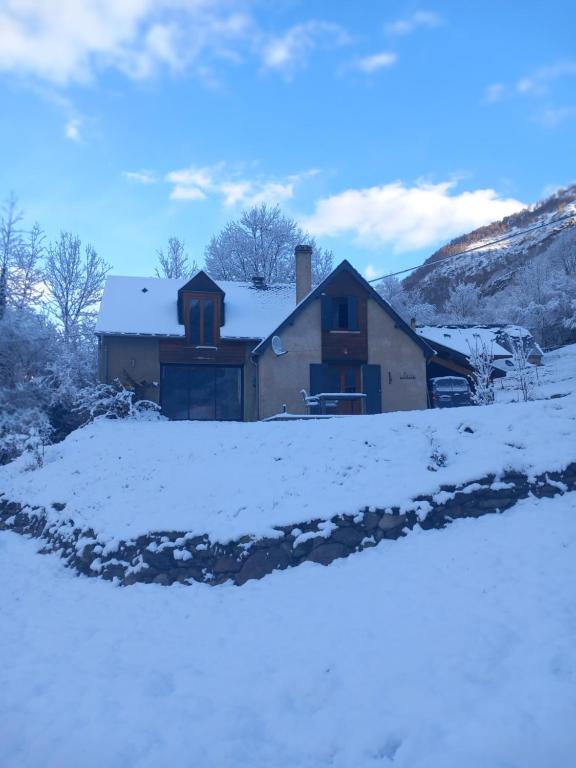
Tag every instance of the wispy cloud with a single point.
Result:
(407, 217)
(218, 181)
(539, 82)
(409, 24)
(551, 117)
(72, 129)
(376, 61)
(65, 42)
(290, 51)
(495, 92)
(140, 177)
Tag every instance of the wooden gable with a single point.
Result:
(196, 287)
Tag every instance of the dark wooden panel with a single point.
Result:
(347, 345)
(226, 353)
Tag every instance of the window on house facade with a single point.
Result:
(339, 313)
(202, 322)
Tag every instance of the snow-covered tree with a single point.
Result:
(261, 242)
(522, 372)
(27, 345)
(481, 359)
(463, 303)
(10, 245)
(26, 273)
(408, 303)
(75, 281)
(174, 262)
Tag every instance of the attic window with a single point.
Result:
(144, 290)
(447, 336)
(202, 322)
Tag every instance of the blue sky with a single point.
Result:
(385, 128)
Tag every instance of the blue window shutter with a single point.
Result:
(372, 388)
(326, 313)
(317, 378)
(352, 313)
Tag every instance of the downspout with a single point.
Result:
(254, 361)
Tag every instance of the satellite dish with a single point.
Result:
(277, 346)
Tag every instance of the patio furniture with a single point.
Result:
(328, 400)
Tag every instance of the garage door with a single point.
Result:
(206, 392)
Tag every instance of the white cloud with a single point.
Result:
(494, 92)
(405, 217)
(370, 272)
(377, 61)
(409, 24)
(290, 51)
(187, 193)
(69, 40)
(72, 129)
(540, 80)
(140, 177)
(198, 183)
(551, 117)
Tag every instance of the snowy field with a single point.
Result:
(557, 377)
(229, 479)
(446, 649)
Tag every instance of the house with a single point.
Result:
(206, 349)
(453, 345)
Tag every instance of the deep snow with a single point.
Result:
(446, 649)
(230, 479)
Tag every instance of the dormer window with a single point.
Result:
(202, 322)
(201, 310)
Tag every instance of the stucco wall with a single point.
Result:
(131, 359)
(400, 359)
(282, 378)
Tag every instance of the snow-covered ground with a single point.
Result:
(446, 649)
(229, 479)
(557, 377)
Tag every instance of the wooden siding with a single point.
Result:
(344, 346)
(226, 353)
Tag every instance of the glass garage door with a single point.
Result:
(205, 392)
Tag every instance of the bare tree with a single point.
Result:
(10, 245)
(26, 279)
(261, 242)
(522, 372)
(75, 281)
(175, 262)
(481, 359)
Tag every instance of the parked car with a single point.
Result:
(449, 392)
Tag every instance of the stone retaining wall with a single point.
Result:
(166, 557)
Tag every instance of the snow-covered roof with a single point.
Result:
(463, 339)
(147, 306)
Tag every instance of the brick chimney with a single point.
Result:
(303, 255)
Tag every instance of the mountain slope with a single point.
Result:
(494, 268)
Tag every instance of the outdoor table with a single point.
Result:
(331, 399)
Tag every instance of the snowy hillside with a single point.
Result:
(442, 649)
(494, 268)
(445, 649)
(230, 479)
